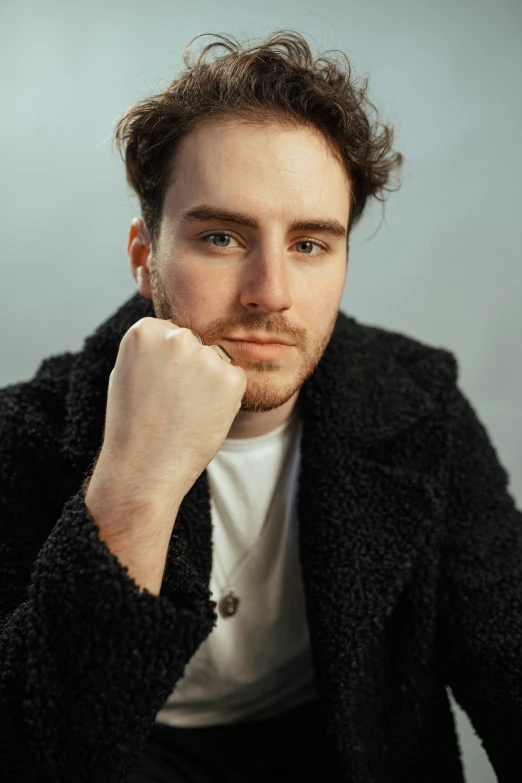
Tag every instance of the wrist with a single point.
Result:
(128, 512)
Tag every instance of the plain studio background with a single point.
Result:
(444, 266)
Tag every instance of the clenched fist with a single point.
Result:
(171, 402)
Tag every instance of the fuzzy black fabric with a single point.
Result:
(411, 552)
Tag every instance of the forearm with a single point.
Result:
(137, 533)
(144, 555)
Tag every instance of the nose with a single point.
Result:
(266, 286)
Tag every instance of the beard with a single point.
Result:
(265, 389)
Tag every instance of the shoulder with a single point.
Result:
(433, 369)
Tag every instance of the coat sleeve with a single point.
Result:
(86, 658)
(481, 594)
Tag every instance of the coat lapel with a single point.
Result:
(370, 506)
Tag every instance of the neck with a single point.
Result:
(251, 425)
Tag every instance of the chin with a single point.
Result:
(263, 397)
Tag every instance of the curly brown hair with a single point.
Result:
(278, 79)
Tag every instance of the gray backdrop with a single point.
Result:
(445, 265)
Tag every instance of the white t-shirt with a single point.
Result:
(257, 662)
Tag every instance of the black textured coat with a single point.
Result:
(411, 551)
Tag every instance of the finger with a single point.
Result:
(222, 353)
(196, 335)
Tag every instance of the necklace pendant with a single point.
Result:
(228, 604)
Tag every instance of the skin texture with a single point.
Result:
(222, 278)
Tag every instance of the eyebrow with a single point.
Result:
(208, 212)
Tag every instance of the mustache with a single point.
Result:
(253, 326)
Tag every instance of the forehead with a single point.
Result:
(260, 166)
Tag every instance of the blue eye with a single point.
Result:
(310, 243)
(219, 236)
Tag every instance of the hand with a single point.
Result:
(170, 405)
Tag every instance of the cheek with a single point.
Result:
(200, 295)
(319, 302)
(187, 286)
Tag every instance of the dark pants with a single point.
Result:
(291, 747)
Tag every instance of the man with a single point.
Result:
(244, 536)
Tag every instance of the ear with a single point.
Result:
(138, 250)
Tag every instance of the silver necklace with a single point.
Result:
(229, 602)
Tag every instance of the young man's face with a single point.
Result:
(227, 277)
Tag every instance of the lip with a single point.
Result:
(270, 339)
(259, 350)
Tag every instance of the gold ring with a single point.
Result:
(227, 357)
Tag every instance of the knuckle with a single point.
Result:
(236, 379)
(184, 338)
(144, 323)
(185, 334)
(143, 326)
